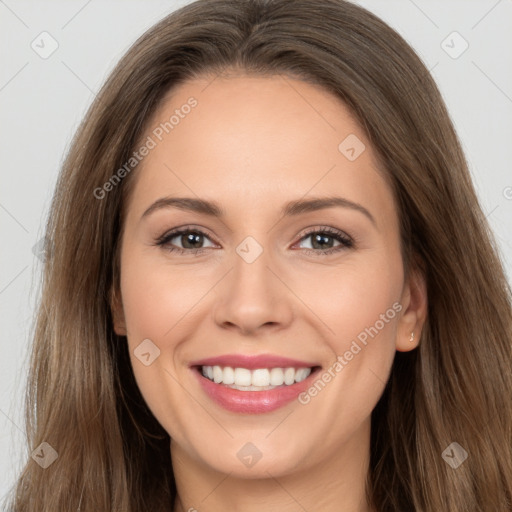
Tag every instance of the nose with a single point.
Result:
(253, 297)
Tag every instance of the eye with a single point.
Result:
(191, 240)
(322, 240)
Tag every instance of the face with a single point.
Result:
(271, 280)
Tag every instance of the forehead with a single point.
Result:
(250, 141)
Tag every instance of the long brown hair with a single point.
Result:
(82, 398)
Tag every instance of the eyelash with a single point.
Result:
(346, 242)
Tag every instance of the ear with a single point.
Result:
(116, 306)
(414, 302)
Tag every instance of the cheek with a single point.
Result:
(157, 297)
(358, 304)
(362, 348)
(157, 303)
(355, 297)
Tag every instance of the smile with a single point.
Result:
(260, 379)
(253, 384)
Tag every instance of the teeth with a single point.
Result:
(228, 375)
(276, 377)
(255, 380)
(242, 376)
(289, 376)
(260, 377)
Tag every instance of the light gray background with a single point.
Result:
(43, 100)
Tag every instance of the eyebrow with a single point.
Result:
(292, 208)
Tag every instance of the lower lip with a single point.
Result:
(252, 402)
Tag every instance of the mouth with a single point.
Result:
(259, 379)
(255, 390)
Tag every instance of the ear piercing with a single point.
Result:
(412, 337)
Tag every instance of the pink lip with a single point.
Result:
(252, 402)
(253, 362)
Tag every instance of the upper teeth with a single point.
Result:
(262, 377)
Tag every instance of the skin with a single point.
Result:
(252, 144)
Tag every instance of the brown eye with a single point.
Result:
(191, 240)
(322, 241)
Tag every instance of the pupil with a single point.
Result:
(320, 238)
(192, 238)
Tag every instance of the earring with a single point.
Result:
(412, 337)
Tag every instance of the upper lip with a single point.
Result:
(253, 362)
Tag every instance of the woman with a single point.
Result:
(191, 353)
